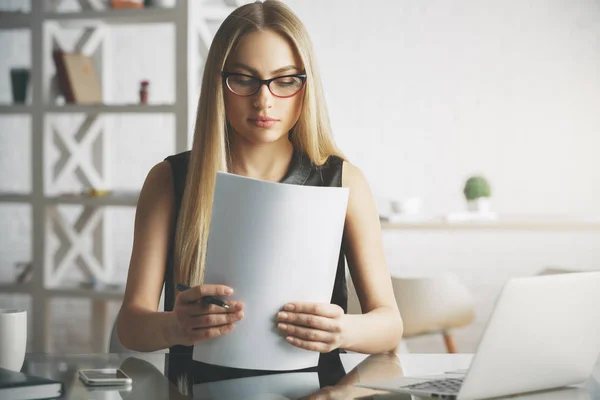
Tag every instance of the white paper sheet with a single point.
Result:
(273, 243)
(265, 387)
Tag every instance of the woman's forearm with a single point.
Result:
(377, 331)
(143, 330)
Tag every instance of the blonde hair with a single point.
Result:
(209, 154)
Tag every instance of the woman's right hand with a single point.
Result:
(196, 321)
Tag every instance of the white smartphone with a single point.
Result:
(104, 377)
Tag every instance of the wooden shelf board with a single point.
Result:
(14, 198)
(72, 291)
(503, 223)
(8, 109)
(111, 109)
(14, 20)
(127, 199)
(15, 288)
(115, 17)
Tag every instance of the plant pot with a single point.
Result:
(479, 205)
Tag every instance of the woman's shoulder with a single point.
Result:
(167, 175)
(157, 188)
(160, 176)
(352, 176)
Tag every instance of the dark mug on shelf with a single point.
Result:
(19, 79)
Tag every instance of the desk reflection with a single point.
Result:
(167, 376)
(150, 382)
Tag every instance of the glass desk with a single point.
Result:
(161, 376)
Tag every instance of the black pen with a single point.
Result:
(206, 299)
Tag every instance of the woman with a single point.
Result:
(261, 114)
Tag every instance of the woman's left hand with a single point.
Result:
(313, 326)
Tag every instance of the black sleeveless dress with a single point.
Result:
(301, 172)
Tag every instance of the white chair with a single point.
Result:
(428, 305)
(433, 305)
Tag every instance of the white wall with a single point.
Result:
(424, 93)
(421, 95)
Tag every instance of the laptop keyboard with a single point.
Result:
(449, 385)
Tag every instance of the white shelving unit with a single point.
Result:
(191, 41)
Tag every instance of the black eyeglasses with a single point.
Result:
(280, 86)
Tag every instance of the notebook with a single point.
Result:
(20, 386)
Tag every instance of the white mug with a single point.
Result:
(13, 338)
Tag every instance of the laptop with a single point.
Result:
(543, 333)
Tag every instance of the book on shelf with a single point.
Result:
(18, 385)
(120, 4)
(77, 78)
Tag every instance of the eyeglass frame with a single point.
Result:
(261, 82)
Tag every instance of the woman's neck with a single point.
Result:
(266, 161)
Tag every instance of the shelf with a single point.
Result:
(67, 291)
(549, 223)
(15, 109)
(14, 198)
(118, 199)
(111, 109)
(42, 24)
(15, 288)
(14, 20)
(72, 291)
(115, 17)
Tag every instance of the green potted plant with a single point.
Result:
(477, 193)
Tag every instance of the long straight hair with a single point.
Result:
(210, 150)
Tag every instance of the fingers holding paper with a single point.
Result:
(194, 320)
(197, 292)
(312, 326)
